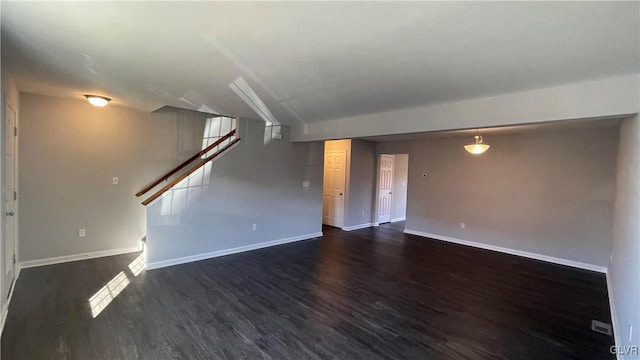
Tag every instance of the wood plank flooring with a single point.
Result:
(368, 294)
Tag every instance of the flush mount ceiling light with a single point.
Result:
(478, 147)
(96, 100)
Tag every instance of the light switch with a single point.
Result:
(305, 184)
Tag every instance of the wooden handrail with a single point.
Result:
(188, 172)
(186, 162)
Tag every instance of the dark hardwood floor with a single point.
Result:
(368, 294)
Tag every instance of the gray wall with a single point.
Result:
(624, 266)
(545, 193)
(69, 153)
(400, 180)
(251, 184)
(359, 210)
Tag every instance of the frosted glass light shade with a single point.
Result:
(96, 100)
(476, 148)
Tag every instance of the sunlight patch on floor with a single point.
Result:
(138, 265)
(101, 299)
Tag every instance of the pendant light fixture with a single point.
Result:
(478, 147)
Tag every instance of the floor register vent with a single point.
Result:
(601, 327)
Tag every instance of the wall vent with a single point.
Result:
(601, 327)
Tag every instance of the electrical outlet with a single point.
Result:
(462, 225)
(115, 181)
(255, 226)
(82, 232)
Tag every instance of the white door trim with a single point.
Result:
(8, 193)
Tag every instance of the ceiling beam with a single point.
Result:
(614, 97)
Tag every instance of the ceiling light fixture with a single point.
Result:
(478, 147)
(96, 100)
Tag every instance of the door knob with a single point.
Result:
(340, 194)
(10, 213)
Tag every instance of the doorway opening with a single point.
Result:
(393, 175)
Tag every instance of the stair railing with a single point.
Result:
(193, 169)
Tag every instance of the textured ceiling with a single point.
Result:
(311, 62)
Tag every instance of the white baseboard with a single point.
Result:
(5, 308)
(505, 250)
(213, 254)
(357, 227)
(67, 258)
(399, 219)
(614, 315)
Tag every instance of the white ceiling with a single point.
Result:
(313, 61)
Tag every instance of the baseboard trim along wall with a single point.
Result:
(213, 254)
(614, 315)
(84, 256)
(399, 219)
(505, 250)
(357, 227)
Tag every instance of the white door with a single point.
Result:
(333, 188)
(385, 185)
(10, 194)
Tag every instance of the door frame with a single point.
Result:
(15, 268)
(406, 186)
(345, 153)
